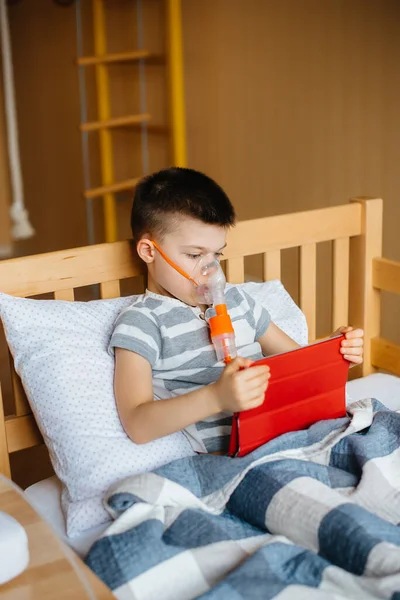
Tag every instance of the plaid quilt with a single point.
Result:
(311, 515)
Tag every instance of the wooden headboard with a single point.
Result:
(359, 273)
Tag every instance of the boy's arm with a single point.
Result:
(144, 419)
(275, 341)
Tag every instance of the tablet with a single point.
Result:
(306, 385)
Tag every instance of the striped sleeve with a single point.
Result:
(136, 330)
(261, 316)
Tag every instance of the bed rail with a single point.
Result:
(385, 354)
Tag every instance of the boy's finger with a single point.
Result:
(248, 386)
(354, 333)
(343, 329)
(352, 351)
(255, 402)
(256, 387)
(263, 371)
(238, 363)
(352, 342)
(357, 360)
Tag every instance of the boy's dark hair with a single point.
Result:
(178, 191)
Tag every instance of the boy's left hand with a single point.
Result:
(352, 346)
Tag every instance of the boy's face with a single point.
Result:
(187, 242)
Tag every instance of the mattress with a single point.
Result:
(45, 496)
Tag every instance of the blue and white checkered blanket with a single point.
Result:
(311, 515)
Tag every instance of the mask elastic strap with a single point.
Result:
(172, 264)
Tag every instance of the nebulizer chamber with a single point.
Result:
(211, 291)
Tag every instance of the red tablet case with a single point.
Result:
(306, 386)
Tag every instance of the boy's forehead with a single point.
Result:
(193, 232)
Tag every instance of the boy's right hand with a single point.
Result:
(240, 388)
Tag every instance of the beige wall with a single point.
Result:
(294, 105)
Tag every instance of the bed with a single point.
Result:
(359, 275)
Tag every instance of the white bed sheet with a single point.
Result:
(45, 495)
(383, 387)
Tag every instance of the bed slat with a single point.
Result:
(20, 401)
(110, 289)
(272, 265)
(341, 252)
(365, 306)
(67, 295)
(4, 459)
(235, 270)
(308, 286)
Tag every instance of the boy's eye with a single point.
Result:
(196, 256)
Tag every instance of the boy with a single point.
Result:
(162, 344)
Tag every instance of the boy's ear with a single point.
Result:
(145, 250)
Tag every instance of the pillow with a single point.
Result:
(283, 310)
(60, 353)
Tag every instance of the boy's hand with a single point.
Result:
(352, 346)
(240, 388)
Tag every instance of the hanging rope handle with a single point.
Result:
(22, 229)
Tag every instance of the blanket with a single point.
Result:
(311, 515)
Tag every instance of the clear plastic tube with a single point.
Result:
(225, 347)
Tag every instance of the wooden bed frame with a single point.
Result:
(359, 275)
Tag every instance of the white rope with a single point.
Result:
(21, 227)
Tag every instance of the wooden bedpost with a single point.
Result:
(365, 300)
(4, 458)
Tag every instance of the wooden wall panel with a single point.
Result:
(294, 105)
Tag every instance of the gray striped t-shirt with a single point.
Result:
(175, 339)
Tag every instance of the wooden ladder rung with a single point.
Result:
(120, 57)
(113, 187)
(115, 122)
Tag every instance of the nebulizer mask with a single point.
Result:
(209, 288)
